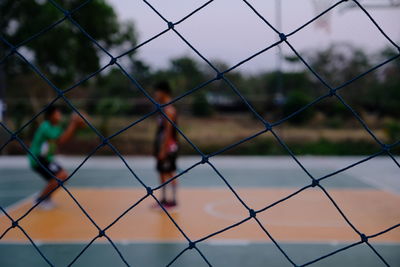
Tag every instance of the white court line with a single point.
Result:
(232, 162)
(213, 242)
(16, 179)
(14, 206)
(210, 208)
(14, 193)
(379, 185)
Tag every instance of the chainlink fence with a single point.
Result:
(149, 192)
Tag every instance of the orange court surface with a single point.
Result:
(306, 225)
(304, 218)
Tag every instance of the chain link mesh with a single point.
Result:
(315, 182)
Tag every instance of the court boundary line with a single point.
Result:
(209, 208)
(216, 242)
(14, 206)
(378, 185)
(73, 160)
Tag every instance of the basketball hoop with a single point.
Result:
(323, 22)
(374, 4)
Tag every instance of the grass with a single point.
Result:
(213, 134)
(320, 147)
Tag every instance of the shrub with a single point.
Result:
(200, 106)
(295, 101)
(392, 130)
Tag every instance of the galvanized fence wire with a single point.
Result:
(205, 159)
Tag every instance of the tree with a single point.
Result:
(63, 52)
(200, 105)
(297, 99)
(341, 63)
(388, 90)
(185, 73)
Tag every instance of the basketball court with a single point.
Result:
(306, 226)
(232, 211)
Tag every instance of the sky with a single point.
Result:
(228, 31)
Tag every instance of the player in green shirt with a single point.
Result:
(43, 147)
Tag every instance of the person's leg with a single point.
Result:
(171, 174)
(167, 168)
(173, 184)
(52, 184)
(165, 176)
(163, 179)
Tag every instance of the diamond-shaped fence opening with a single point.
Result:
(315, 182)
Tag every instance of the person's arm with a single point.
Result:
(76, 121)
(170, 112)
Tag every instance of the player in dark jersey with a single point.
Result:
(166, 144)
(43, 147)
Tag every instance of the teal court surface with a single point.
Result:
(306, 226)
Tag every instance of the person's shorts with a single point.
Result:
(52, 167)
(168, 164)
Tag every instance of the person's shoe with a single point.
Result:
(170, 204)
(46, 204)
(157, 206)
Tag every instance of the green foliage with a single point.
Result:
(266, 146)
(21, 109)
(112, 84)
(200, 106)
(111, 106)
(392, 130)
(388, 90)
(334, 122)
(63, 52)
(335, 112)
(339, 64)
(65, 55)
(297, 99)
(326, 147)
(108, 108)
(185, 74)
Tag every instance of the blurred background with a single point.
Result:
(340, 45)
